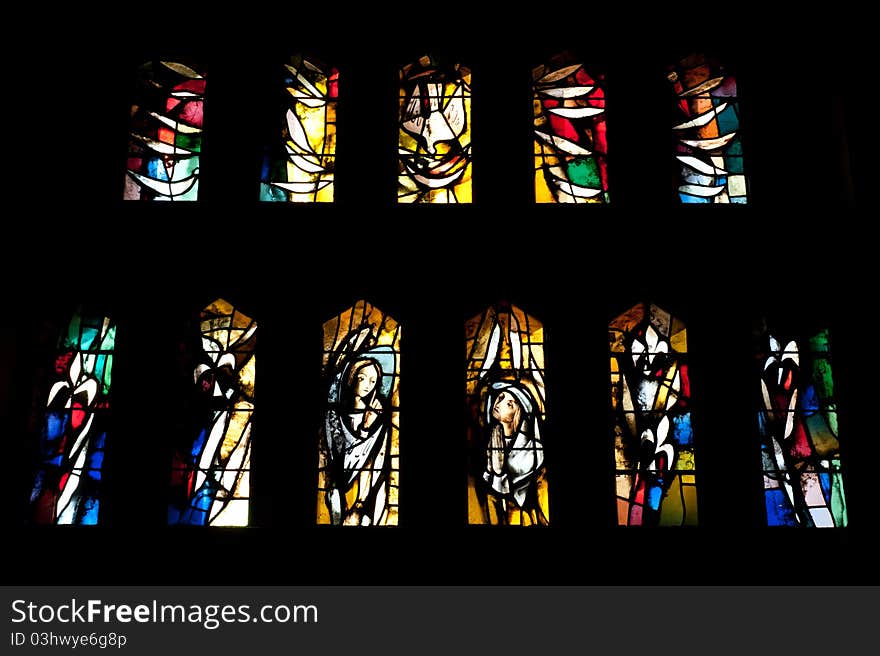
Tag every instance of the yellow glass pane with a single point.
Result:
(690, 502)
(543, 497)
(671, 510)
(542, 191)
(238, 424)
(678, 342)
(620, 459)
(322, 513)
(219, 307)
(666, 387)
(615, 341)
(685, 460)
(475, 513)
(247, 377)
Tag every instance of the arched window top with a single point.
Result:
(635, 322)
(165, 141)
(226, 329)
(434, 132)
(299, 167)
(571, 147)
(506, 401)
(210, 477)
(359, 439)
(707, 132)
(652, 430)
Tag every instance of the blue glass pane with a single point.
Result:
(687, 198)
(55, 424)
(90, 511)
(654, 495)
(825, 483)
(682, 430)
(779, 511)
(810, 401)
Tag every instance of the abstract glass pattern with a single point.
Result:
(67, 488)
(797, 424)
(434, 142)
(358, 446)
(708, 146)
(506, 410)
(299, 168)
(166, 133)
(570, 139)
(653, 436)
(210, 478)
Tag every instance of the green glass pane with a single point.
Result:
(820, 343)
(728, 121)
(838, 500)
(188, 141)
(734, 165)
(824, 441)
(734, 147)
(823, 379)
(585, 172)
(73, 332)
(831, 417)
(109, 342)
(100, 366)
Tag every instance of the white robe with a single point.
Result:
(523, 456)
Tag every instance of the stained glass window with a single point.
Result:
(67, 487)
(210, 477)
(358, 446)
(434, 142)
(570, 141)
(707, 132)
(797, 424)
(166, 133)
(299, 167)
(505, 398)
(653, 436)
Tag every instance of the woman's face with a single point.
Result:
(505, 408)
(365, 380)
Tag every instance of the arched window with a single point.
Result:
(299, 167)
(707, 132)
(653, 436)
(505, 397)
(358, 446)
(571, 147)
(210, 477)
(434, 133)
(67, 487)
(797, 424)
(166, 133)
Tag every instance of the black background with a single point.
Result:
(799, 253)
